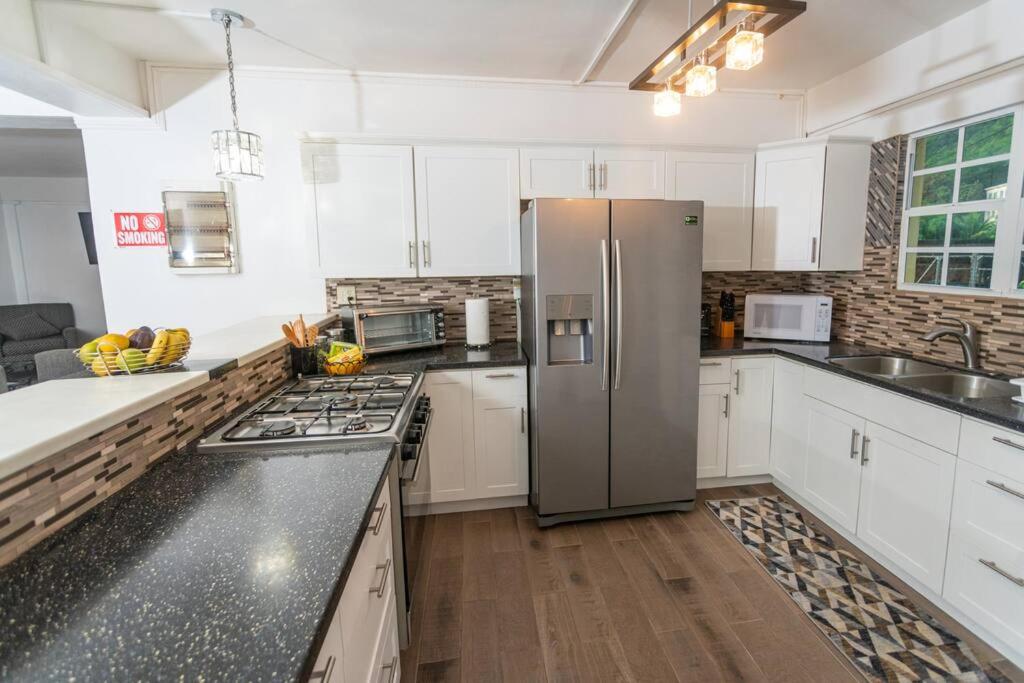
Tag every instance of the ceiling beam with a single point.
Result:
(627, 11)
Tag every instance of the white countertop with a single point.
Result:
(42, 419)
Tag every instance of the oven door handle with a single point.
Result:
(421, 447)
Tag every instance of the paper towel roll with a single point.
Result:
(478, 322)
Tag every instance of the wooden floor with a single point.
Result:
(651, 598)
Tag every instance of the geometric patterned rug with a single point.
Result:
(878, 629)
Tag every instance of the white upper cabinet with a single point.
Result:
(361, 204)
(810, 204)
(629, 173)
(725, 183)
(556, 172)
(467, 210)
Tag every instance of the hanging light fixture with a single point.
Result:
(667, 102)
(702, 78)
(745, 50)
(237, 154)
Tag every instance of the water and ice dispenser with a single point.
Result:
(570, 323)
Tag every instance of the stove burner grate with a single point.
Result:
(279, 428)
(340, 401)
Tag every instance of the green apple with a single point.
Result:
(131, 360)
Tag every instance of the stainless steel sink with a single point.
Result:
(886, 366)
(961, 385)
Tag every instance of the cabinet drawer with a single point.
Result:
(367, 597)
(999, 450)
(988, 509)
(387, 666)
(715, 370)
(499, 382)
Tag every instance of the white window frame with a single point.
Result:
(1009, 228)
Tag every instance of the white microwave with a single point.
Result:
(799, 317)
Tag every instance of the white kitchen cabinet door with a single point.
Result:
(788, 207)
(725, 183)
(502, 450)
(832, 472)
(712, 429)
(750, 417)
(328, 665)
(626, 173)
(789, 426)
(467, 210)
(361, 208)
(556, 172)
(449, 471)
(906, 493)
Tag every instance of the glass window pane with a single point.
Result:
(974, 229)
(927, 231)
(933, 188)
(936, 150)
(970, 270)
(923, 269)
(987, 181)
(988, 138)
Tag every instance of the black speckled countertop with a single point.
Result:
(1000, 411)
(449, 357)
(208, 567)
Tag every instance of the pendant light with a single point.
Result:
(702, 78)
(237, 154)
(667, 102)
(745, 50)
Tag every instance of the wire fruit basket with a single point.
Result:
(110, 360)
(348, 367)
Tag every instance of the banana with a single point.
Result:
(159, 348)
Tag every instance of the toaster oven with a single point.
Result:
(393, 327)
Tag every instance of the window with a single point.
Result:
(960, 228)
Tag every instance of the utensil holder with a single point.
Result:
(305, 361)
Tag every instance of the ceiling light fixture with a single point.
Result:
(667, 102)
(745, 50)
(702, 78)
(237, 154)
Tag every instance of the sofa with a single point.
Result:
(27, 329)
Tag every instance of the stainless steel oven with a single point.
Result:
(399, 327)
(414, 451)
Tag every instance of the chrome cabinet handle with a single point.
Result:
(380, 587)
(1007, 442)
(737, 387)
(711, 365)
(605, 315)
(392, 668)
(380, 509)
(1003, 487)
(725, 412)
(814, 250)
(504, 375)
(590, 176)
(324, 675)
(853, 444)
(412, 254)
(426, 253)
(1002, 572)
(864, 450)
(522, 420)
(618, 314)
(605, 174)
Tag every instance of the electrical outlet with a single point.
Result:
(347, 295)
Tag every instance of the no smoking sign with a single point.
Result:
(140, 229)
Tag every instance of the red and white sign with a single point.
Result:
(140, 230)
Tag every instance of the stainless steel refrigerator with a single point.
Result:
(611, 327)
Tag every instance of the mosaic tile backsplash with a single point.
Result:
(449, 292)
(868, 309)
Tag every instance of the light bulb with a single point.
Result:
(745, 50)
(667, 102)
(701, 79)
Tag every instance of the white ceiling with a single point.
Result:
(532, 39)
(37, 153)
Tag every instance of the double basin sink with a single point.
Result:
(928, 376)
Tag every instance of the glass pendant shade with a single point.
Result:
(237, 155)
(745, 50)
(667, 102)
(701, 80)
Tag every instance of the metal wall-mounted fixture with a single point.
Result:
(731, 35)
(237, 154)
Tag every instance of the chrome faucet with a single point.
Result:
(963, 332)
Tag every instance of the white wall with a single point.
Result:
(969, 65)
(127, 168)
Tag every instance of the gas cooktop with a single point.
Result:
(319, 409)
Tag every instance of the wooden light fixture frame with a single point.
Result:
(782, 12)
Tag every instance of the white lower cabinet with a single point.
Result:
(478, 440)
(905, 495)
(832, 472)
(328, 666)
(750, 417)
(712, 430)
(788, 450)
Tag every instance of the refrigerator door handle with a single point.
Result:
(618, 314)
(605, 316)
